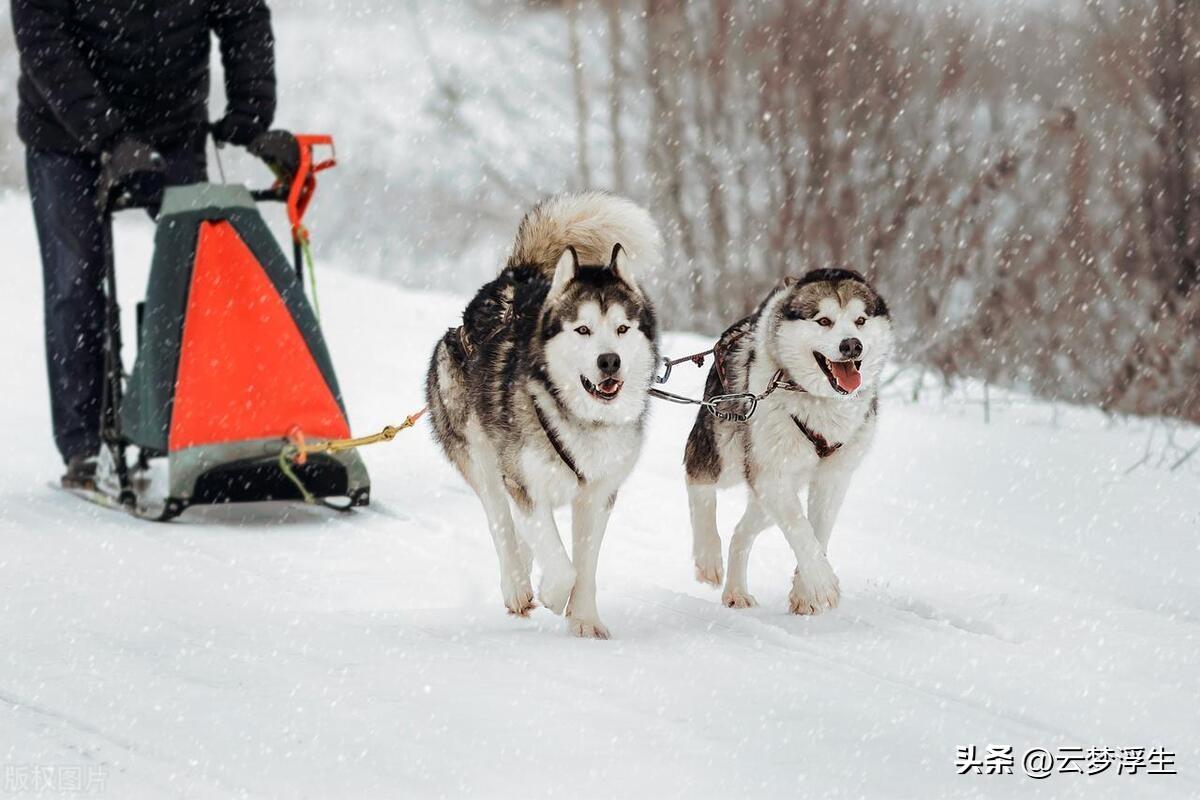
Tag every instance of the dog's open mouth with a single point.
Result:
(606, 391)
(843, 376)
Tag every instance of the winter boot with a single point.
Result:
(81, 473)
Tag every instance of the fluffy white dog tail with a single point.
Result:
(591, 222)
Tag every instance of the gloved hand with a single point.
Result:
(280, 151)
(133, 172)
(235, 128)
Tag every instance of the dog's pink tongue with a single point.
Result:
(846, 374)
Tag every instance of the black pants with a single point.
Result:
(71, 236)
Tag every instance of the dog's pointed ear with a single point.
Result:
(565, 271)
(617, 251)
(788, 282)
(619, 264)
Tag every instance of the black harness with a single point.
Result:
(556, 443)
(823, 447)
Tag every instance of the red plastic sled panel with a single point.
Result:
(245, 371)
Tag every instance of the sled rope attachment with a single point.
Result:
(298, 449)
(304, 184)
(301, 186)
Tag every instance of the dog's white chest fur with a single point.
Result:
(780, 441)
(603, 455)
(771, 441)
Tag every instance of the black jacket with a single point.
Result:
(95, 70)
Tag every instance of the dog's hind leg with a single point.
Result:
(752, 523)
(589, 519)
(535, 524)
(514, 570)
(702, 463)
(706, 542)
(457, 431)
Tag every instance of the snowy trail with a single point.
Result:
(1003, 584)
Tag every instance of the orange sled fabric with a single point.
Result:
(245, 371)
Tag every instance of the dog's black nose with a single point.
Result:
(850, 348)
(608, 363)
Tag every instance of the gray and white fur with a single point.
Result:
(539, 398)
(830, 334)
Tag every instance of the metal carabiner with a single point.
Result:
(732, 416)
(666, 376)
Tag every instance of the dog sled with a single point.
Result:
(230, 358)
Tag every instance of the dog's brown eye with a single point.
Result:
(584, 330)
(621, 331)
(860, 321)
(825, 322)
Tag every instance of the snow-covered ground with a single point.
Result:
(1004, 584)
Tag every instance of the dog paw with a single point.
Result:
(519, 600)
(710, 569)
(814, 589)
(736, 598)
(587, 628)
(555, 589)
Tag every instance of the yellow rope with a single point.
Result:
(297, 449)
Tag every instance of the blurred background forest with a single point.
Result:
(1018, 178)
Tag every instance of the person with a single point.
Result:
(109, 92)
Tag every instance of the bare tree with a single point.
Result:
(1173, 70)
(615, 85)
(664, 36)
(575, 59)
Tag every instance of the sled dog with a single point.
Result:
(824, 340)
(539, 398)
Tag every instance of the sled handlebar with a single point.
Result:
(296, 189)
(272, 195)
(127, 202)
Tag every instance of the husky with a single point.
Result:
(539, 398)
(822, 341)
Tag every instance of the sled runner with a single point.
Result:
(230, 358)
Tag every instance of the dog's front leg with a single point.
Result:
(535, 524)
(814, 587)
(825, 497)
(589, 520)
